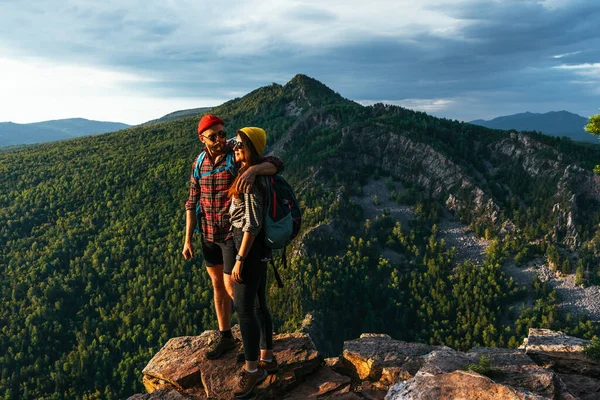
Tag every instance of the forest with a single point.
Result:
(93, 283)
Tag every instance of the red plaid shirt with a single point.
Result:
(211, 192)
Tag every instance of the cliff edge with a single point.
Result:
(549, 365)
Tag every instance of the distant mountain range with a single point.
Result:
(555, 123)
(48, 131)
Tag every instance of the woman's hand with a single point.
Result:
(236, 274)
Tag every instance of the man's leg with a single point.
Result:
(221, 297)
(214, 265)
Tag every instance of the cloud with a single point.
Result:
(41, 90)
(386, 49)
(566, 54)
(432, 106)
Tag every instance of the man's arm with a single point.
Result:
(190, 215)
(270, 165)
(190, 225)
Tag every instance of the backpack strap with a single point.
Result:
(277, 277)
(229, 166)
(198, 165)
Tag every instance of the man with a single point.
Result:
(209, 187)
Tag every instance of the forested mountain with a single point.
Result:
(178, 115)
(93, 283)
(49, 131)
(555, 123)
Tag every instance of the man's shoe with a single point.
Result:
(248, 381)
(271, 367)
(223, 344)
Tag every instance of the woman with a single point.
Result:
(249, 272)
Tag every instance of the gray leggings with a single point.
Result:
(250, 300)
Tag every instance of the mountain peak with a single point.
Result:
(305, 88)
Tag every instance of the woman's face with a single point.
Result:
(242, 153)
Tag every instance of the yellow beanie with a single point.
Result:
(257, 136)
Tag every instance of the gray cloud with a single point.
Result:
(481, 58)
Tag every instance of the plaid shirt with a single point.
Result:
(211, 192)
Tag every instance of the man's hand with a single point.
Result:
(188, 251)
(236, 274)
(246, 181)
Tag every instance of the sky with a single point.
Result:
(132, 61)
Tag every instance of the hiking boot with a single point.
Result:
(271, 367)
(248, 381)
(223, 344)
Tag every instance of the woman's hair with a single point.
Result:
(254, 159)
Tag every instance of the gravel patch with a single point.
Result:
(574, 299)
(402, 213)
(468, 246)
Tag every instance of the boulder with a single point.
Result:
(324, 382)
(456, 385)
(562, 352)
(181, 365)
(379, 357)
(171, 394)
(502, 374)
(582, 387)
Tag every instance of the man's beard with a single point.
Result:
(216, 148)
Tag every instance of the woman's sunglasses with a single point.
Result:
(238, 145)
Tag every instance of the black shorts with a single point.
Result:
(219, 253)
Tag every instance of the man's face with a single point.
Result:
(214, 139)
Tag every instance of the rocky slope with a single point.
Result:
(549, 365)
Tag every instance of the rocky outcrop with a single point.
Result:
(511, 374)
(564, 353)
(380, 358)
(574, 184)
(549, 365)
(420, 163)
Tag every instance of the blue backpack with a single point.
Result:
(283, 217)
(229, 166)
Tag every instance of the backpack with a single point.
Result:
(229, 166)
(283, 218)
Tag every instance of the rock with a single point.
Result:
(368, 356)
(312, 325)
(508, 367)
(563, 352)
(456, 385)
(583, 387)
(377, 367)
(177, 363)
(323, 382)
(171, 394)
(181, 365)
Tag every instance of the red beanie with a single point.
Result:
(207, 121)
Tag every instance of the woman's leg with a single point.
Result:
(244, 298)
(264, 316)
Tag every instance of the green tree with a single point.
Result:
(593, 127)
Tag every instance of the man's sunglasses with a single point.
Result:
(213, 137)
